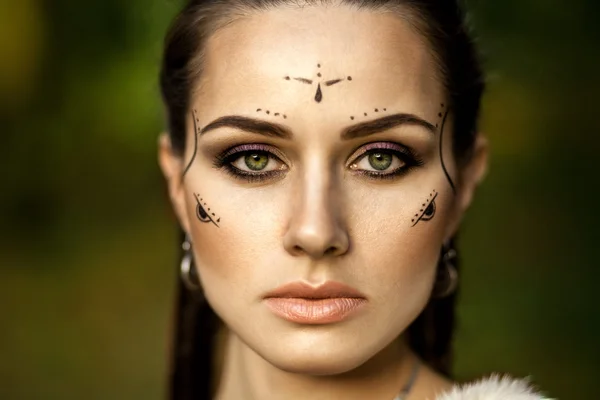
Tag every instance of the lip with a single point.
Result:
(302, 303)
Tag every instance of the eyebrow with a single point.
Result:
(383, 124)
(249, 125)
(362, 129)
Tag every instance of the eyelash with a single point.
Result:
(225, 160)
(404, 154)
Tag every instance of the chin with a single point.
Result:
(319, 354)
(311, 363)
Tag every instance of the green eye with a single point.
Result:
(256, 161)
(380, 161)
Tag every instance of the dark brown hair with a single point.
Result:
(442, 24)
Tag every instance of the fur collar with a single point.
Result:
(494, 388)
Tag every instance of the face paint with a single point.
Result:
(268, 112)
(319, 93)
(205, 215)
(441, 153)
(303, 80)
(375, 109)
(196, 121)
(427, 210)
(332, 82)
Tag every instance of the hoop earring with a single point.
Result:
(188, 274)
(449, 281)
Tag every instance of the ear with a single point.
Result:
(171, 165)
(471, 176)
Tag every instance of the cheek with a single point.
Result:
(393, 261)
(233, 256)
(400, 256)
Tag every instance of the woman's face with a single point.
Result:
(317, 160)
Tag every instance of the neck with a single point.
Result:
(245, 375)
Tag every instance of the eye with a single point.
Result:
(384, 160)
(254, 161)
(378, 161)
(251, 162)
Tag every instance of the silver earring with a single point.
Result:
(449, 279)
(187, 270)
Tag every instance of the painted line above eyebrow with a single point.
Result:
(304, 80)
(332, 82)
(249, 125)
(383, 124)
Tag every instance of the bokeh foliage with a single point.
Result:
(88, 246)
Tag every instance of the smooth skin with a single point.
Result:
(321, 217)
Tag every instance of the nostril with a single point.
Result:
(331, 250)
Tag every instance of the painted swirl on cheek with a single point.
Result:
(205, 215)
(427, 210)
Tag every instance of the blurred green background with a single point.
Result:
(88, 246)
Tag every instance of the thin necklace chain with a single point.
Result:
(411, 381)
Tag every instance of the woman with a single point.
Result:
(320, 158)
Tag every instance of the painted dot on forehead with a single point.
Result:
(268, 112)
(318, 97)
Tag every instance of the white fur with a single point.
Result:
(493, 388)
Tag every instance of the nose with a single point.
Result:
(315, 227)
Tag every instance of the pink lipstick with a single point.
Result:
(325, 304)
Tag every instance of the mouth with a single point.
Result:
(301, 303)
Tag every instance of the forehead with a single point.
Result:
(380, 60)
